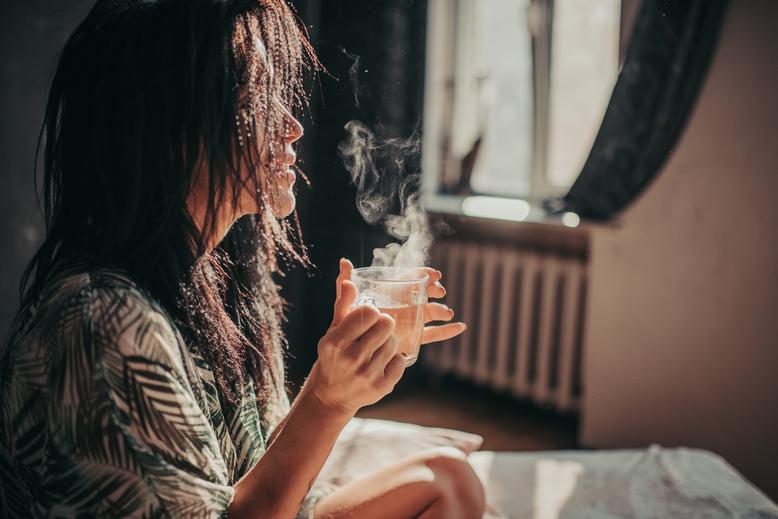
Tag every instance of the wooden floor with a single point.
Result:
(504, 423)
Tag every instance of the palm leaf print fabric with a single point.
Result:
(105, 412)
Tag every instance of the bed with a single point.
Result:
(644, 483)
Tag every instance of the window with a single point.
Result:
(515, 93)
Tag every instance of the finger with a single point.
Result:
(355, 323)
(383, 355)
(436, 290)
(348, 294)
(394, 369)
(442, 332)
(437, 312)
(434, 275)
(344, 273)
(373, 338)
(434, 286)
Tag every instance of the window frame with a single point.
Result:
(441, 51)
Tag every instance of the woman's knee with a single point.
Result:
(457, 482)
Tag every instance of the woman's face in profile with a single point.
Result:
(277, 175)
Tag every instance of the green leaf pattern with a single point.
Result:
(105, 411)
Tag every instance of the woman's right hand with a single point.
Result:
(358, 362)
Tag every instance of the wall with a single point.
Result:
(682, 330)
(31, 34)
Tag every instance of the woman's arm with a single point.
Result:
(280, 425)
(277, 485)
(357, 365)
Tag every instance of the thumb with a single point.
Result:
(344, 273)
(346, 292)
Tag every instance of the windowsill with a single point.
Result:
(506, 221)
(496, 208)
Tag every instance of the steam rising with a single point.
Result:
(353, 73)
(387, 192)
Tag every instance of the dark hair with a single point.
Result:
(146, 94)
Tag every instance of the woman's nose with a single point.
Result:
(293, 130)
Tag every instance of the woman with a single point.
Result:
(143, 373)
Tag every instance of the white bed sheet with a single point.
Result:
(646, 484)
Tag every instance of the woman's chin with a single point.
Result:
(284, 205)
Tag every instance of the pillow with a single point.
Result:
(365, 445)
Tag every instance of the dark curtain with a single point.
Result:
(374, 55)
(666, 61)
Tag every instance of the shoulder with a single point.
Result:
(109, 312)
(81, 289)
(99, 331)
(126, 319)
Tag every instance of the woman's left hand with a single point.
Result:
(438, 312)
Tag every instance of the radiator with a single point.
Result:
(525, 312)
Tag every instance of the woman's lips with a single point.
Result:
(291, 176)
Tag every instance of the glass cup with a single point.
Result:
(401, 293)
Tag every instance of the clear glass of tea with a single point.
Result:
(401, 293)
